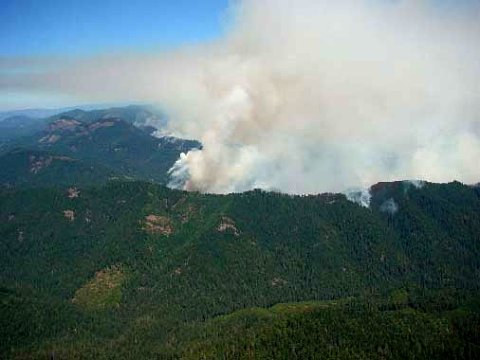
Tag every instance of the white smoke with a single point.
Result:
(362, 197)
(309, 96)
(389, 206)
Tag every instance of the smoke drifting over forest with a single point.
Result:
(305, 96)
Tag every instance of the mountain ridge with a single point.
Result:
(122, 147)
(153, 260)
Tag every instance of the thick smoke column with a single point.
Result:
(310, 96)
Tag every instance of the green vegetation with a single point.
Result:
(330, 331)
(90, 148)
(103, 291)
(33, 168)
(132, 270)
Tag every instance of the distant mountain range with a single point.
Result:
(18, 126)
(40, 113)
(31, 113)
(99, 145)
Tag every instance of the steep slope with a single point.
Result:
(130, 266)
(109, 146)
(34, 168)
(140, 116)
(433, 222)
(116, 144)
(22, 123)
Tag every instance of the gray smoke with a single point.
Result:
(309, 96)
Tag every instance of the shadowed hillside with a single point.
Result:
(101, 144)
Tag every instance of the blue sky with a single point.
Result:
(85, 27)
(73, 29)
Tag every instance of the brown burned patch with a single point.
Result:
(73, 193)
(69, 214)
(50, 139)
(100, 124)
(278, 282)
(64, 125)
(155, 224)
(38, 163)
(228, 225)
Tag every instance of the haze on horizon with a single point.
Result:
(304, 97)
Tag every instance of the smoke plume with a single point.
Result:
(307, 96)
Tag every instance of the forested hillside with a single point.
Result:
(89, 148)
(36, 168)
(136, 270)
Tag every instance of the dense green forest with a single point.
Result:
(136, 270)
